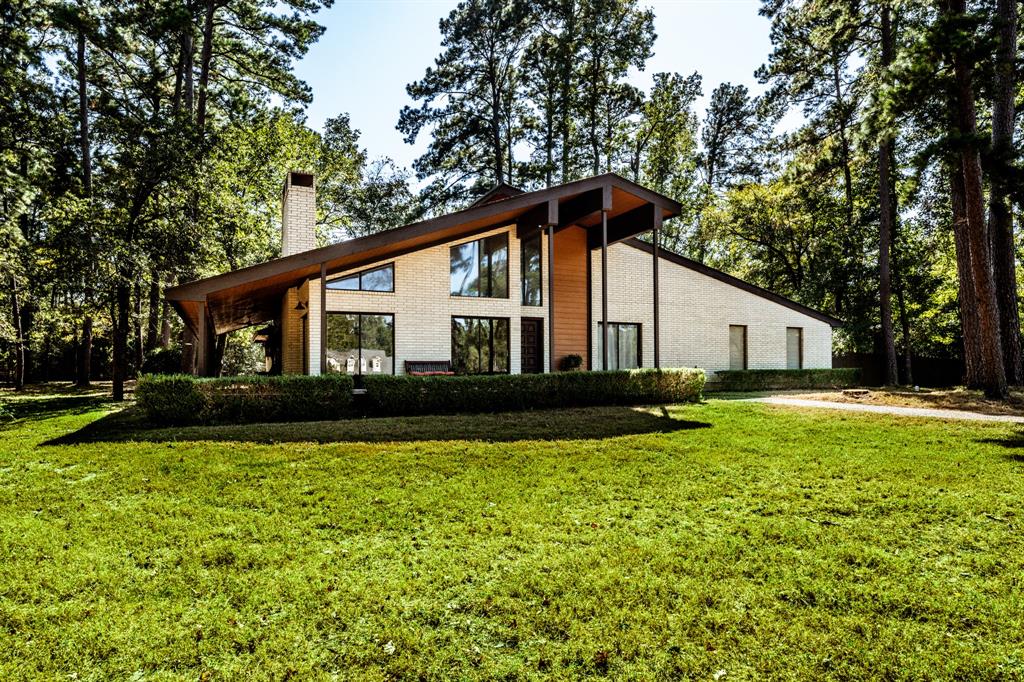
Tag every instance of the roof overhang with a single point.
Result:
(252, 295)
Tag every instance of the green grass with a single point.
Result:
(761, 541)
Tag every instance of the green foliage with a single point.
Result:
(183, 399)
(784, 379)
(570, 362)
(404, 395)
(645, 544)
(162, 361)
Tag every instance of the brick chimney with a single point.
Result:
(298, 213)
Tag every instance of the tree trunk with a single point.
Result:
(121, 311)
(165, 325)
(84, 374)
(968, 307)
(204, 65)
(887, 216)
(19, 337)
(1000, 215)
(137, 336)
(83, 117)
(992, 369)
(153, 320)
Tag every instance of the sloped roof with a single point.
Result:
(252, 295)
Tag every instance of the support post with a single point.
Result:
(657, 300)
(551, 298)
(604, 290)
(202, 342)
(323, 318)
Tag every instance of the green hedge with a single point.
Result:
(406, 395)
(782, 379)
(183, 399)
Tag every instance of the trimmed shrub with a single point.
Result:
(170, 398)
(183, 399)
(408, 395)
(783, 379)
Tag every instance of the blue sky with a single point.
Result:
(373, 48)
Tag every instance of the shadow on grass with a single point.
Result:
(26, 408)
(1012, 442)
(568, 424)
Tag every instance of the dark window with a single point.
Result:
(377, 279)
(737, 346)
(360, 343)
(531, 264)
(480, 345)
(480, 268)
(794, 348)
(623, 346)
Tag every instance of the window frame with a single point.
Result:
(540, 270)
(359, 274)
(746, 347)
(359, 335)
(639, 343)
(490, 342)
(483, 255)
(800, 347)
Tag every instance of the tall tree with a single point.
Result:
(1000, 214)
(960, 36)
(470, 98)
(887, 210)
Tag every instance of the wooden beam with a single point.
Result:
(551, 298)
(580, 207)
(537, 218)
(202, 343)
(656, 237)
(629, 224)
(604, 290)
(323, 318)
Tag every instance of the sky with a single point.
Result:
(372, 48)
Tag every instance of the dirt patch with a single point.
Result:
(940, 399)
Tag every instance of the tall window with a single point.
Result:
(794, 348)
(623, 346)
(360, 343)
(531, 264)
(737, 346)
(480, 345)
(480, 268)
(375, 279)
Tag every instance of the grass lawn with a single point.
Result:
(761, 541)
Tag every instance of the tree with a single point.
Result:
(960, 34)
(470, 99)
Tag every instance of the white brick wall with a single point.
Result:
(298, 218)
(696, 311)
(423, 306)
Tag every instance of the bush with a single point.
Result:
(170, 398)
(183, 399)
(162, 361)
(570, 362)
(782, 379)
(408, 395)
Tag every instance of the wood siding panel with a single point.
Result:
(571, 294)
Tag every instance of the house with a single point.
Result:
(516, 282)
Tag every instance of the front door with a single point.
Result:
(532, 335)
